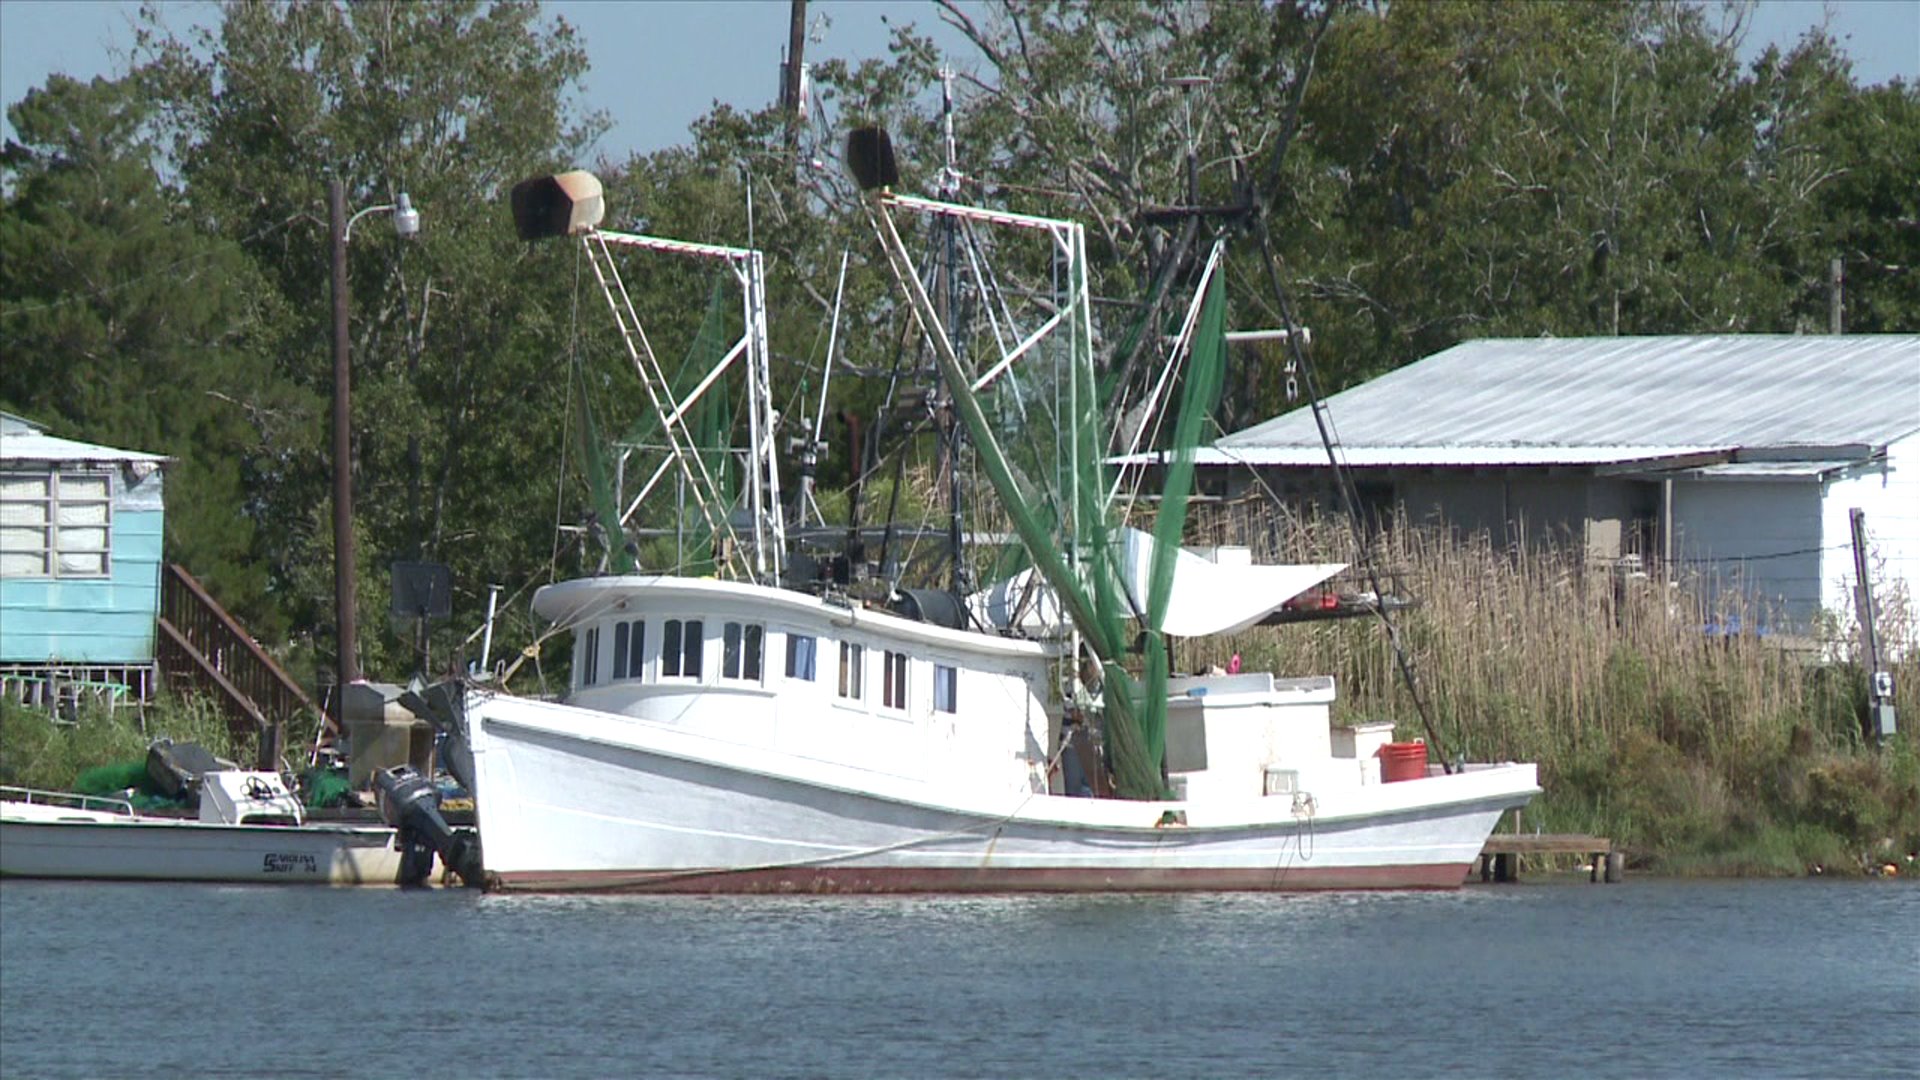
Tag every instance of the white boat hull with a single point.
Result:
(572, 798)
(115, 848)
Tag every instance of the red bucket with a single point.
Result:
(1403, 761)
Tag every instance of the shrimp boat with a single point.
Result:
(773, 726)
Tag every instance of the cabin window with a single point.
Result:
(850, 682)
(680, 644)
(629, 649)
(800, 651)
(743, 645)
(55, 525)
(946, 689)
(590, 657)
(894, 694)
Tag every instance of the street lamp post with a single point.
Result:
(406, 224)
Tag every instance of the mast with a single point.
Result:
(571, 205)
(1084, 587)
(950, 428)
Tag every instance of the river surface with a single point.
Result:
(1646, 978)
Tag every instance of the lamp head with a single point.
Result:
(406, 220)
(567, 204)
(870, 158)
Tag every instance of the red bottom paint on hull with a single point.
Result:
(992, 880)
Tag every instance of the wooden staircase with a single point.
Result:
(201, 646)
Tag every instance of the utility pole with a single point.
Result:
(406, 225)
(791, 72)
(1880, 714)
(347, 666)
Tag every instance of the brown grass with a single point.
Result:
(1672, 738)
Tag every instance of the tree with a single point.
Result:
(458, 398)
(125, 324)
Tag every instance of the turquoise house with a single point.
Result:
(80, 559)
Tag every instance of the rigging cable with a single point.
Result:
(566, 420)
(1343, 483)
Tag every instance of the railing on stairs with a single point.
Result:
(200, 644)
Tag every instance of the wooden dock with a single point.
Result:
(1500, 858)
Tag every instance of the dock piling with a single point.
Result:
(1500, 857)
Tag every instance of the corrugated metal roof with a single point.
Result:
(1764, 470)
(39, 447)
(1432, 456)
(1582, 400)
(17, 425)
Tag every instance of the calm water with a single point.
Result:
(1748, 979)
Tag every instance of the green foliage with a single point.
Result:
(126, 323)
(39, 750)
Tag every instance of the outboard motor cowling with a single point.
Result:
(411, 804)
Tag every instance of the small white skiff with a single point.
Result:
(250, 829)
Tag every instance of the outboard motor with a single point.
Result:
(411, 804)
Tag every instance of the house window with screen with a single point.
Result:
(742, 648)
(850, 682)
(894, 693)
(57, 525)
(946, 689)
(800, 653)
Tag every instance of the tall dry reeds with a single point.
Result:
(1649, 718)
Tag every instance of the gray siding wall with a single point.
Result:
(1753, 544)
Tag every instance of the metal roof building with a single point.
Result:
(1742, 455)
(1592, 401)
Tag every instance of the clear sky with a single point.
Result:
(659, 64)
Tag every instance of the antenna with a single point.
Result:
(1187, 84)
(950, 174)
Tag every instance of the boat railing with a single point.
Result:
(103, 803)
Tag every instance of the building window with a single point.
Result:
(590, 657)
(894, 666)
(742, 647)
(55, 525)
(850, 681)
(800, 651)
(629, 649)
(946, 689)
(680, 645)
